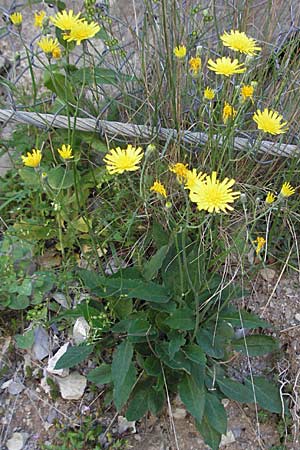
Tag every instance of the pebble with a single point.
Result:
(267, 274)
(13, 387)
(52, 362)
(297, 317)
(72, 387)
(40, 347)
(227, 438)
(124, 425)
(179, 413)
(17, 441)
(81, 330)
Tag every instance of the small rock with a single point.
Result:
(297, 317)
(40, 347)
(267, 274)
(179, 413)
(13, 387)
(227, 438)
(237, 431)
(81, 330)
(60, 298)
(124, 425)
(52, 362)
(225, 402)
(17, 441)
(72, 387)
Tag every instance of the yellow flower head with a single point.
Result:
(180, 51)
(49, 45)
(239, 41)
(287, 190)
(270, 198)
(247, 92)
(195, 65)
(32, 159)
(38, 19)
(121, 160)
(65, 151)
(82, 30)
(226, 66)
(194, 179)
(209, 93)
(270, 121)
(16, 18)
(56, 53)
(159, 188)
(181, 171)
(65, 20)
(260, 244)
(213, 195)
(228, 112)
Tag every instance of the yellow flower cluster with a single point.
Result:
(50, 47)
(34, 158)
(76, 29)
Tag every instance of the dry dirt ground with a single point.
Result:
(278, 300)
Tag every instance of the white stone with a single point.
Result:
(81, 330)
(40, 348)
(13, 387)
(72, 387)
(17, 441)
(267, 274)
(60, 298)
(297, 317)
(52, 362)
(227, 438)
(124, 425)
(179, 413)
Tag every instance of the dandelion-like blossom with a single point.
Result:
(260, 241)
(181, 171)
(32, 159)
(225, 66)
(287, 190)
(213, 195)
(159, 188)
(16, 18)
(50, 46)
(66, 20)
(270, 198)
(123, 160)
(38, 18)
(81, 31)
(239, 41)
(270, 121)
(209, 93)
(65, 151)
(228, 112)
(195, 65)
(247, 92)
(193, 179)
(180, 51)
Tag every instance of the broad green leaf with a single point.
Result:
(26, 340)
(255, 345)
(152, 366)
(243, 319)
(99, 75)
(211, 436)
(60, 85)
(120, 365)
(100, 375)
(122, 307)
(140, 330)
(179, 362)
(213, 339)
(19, 302)
(122, 391)
(160, 236)
(138, 404)
(236, 391)
(266, 393)
(181, 319)
(60, 178)
(74, 356)
(156, 400)
(215, 413)
(195, 354)
(192, 396)
(177, 340)
(26, 287)
(29, 175)
(152, 266)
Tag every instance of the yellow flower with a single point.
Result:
(65, 151)
(270, 198)
(82, 30)
(214, 196)
(247, 92)
(260, 244)
(287, 190)
(181, 171)
(16, 18)
(180, 51)
(239, 41)
(195, 65)
(121, 160)
(65, 20)
(228, 112)
(38, 19)
(209, 93)
(194, 179)
(32, 159)
(270, 121)
(226, 66)
(49, 45)
(56, 53)
(159, 188)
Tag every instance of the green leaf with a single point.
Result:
(19, 302)
(177, 340)
(255, 345)
(152, 366)
(160, 236)
(213, 339)
(74, 356)
(152, 266)
(156, 400)
(60, 178)
(120, 366)
(122, 307)
(138, 404)
(59, 84)
(99, 75)
(235, 391)
(192, 396)
(266, 393)
(100, 375)
(26, 287)
(139, 330)
(25, 341)
(178, 362)
(243, 319)
(29, 176)
(215, 413)
(195, 354)
(181, 319)
(211, 436)
(122, 391)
